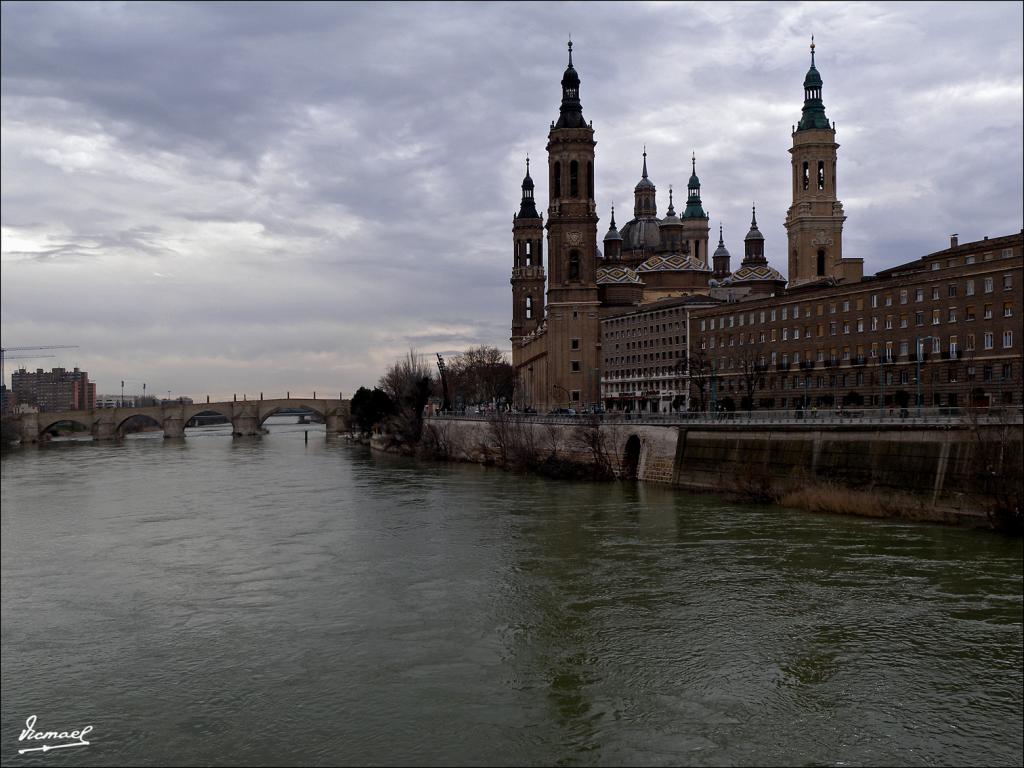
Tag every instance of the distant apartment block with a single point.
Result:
(55, 390)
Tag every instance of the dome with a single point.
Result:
(644, 183)
(676, 262)
(721, 250)
(757, 273)
(641, 233)
(617, 276)
(813, 79)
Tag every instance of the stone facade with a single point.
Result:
(819, 345)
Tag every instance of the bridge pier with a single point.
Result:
(336, 422)
(29, 428)
(104, 428)
(245, 422)
(174, 425)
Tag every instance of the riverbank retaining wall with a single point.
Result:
(944, 472)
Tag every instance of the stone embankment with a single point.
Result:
(950, 472)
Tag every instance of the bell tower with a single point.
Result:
(695, 222)
(528, 265)
(574, 331)
(814, 222)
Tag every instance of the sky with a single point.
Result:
(282, 197)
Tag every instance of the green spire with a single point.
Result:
(813, 115)
(694, 210)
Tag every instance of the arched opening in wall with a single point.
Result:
(821, 262)
(529, 308)
(574, 265)
(590, 181)
(65, 431)
(631, 458)
(208, 423)
(556, 180)
(285, 419)
(574, 179)
(140, 426)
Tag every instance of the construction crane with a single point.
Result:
(5, 350)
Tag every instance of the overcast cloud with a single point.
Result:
(220, 198)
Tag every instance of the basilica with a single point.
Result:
(557, 310)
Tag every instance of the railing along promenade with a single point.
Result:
(936, 417)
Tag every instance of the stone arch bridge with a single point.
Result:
(246, 417)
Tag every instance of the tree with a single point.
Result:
(408, 383)
(482, 375)
(751, 374)
(370, 408)
(699, 366)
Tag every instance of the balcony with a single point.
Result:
(807, 365)
(782, 367)
(860, 360)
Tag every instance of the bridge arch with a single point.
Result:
(47, 432)
(273, 410)
(120, 428)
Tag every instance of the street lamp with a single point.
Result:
(917, 350)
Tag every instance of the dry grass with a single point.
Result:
(834, 499)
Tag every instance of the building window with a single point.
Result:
(919, 318)
(556, 179)
(936, 316)
(969, 313)
(969, 288)
(574, 179)
(904, 296)
(1007, 282)
(919, 294)
(807, 174)
(903, 321)
(1007, 309)
(988, 312)
(935, 292)
(574, 344)
(988, 285)
(874, 323)
(874, 301)
(574, 265)
(574, 366)
(1007, 339)
(821, 174)
(529, 308)
(952, 314)
(575, 395)
(989, 340)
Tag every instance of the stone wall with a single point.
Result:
(939, 468)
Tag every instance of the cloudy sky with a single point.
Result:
(243, 197)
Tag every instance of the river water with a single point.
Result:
(269, 601)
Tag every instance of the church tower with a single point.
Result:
(573, 328)
(528, 265)
(814, 222)
(695, 221)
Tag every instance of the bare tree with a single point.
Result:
(408, 382)
(752, 371)
(699, 366)
(482, 375)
